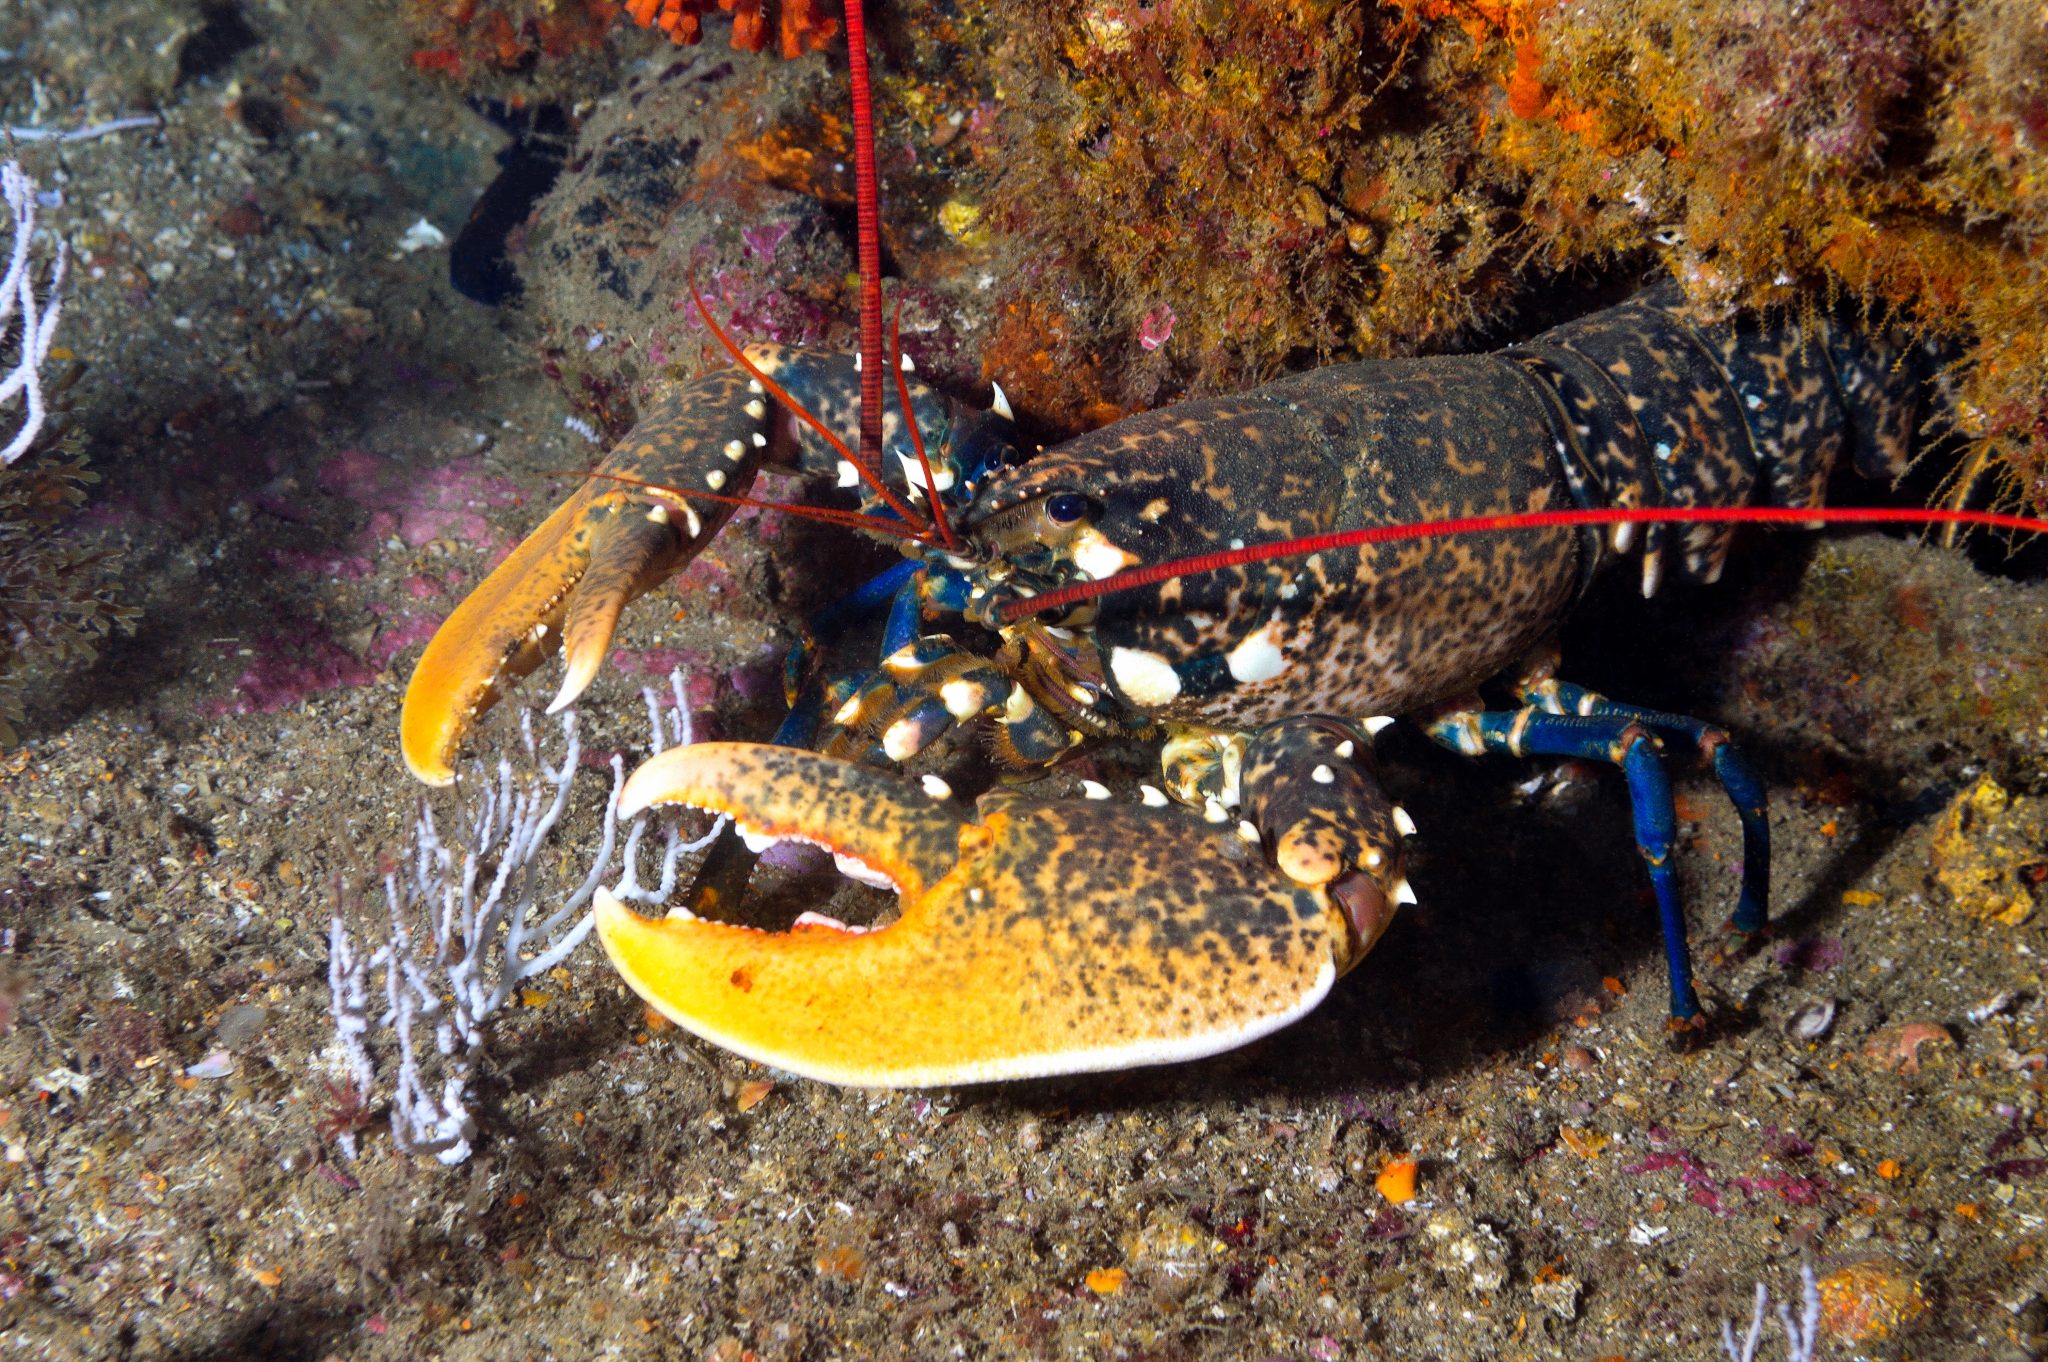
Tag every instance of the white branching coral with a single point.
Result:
(462, 935)
(29, 308)
(1802, 1335)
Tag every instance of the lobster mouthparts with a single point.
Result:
(1035, 937)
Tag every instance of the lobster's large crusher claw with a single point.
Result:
(611, 542)
(1035, 936)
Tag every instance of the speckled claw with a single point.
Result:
(1035, 936)
(610, 543)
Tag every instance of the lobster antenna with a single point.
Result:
(828, 515)
(931, 487)
(872, 475)
(867, 216)
(1133, 578)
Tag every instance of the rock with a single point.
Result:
(240, 1027)
(1988, 852)
(1559, 1295)
(1868, 1301)
(1472, 1250)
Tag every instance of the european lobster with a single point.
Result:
(1047, 936)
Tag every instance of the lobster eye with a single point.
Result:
(1065, 508)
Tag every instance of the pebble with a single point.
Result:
(1559, 1295)
(1867, 1301)
(239, 1027)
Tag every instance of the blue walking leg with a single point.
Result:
(1738, 779)
(1631, 746)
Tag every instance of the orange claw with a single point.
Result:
(653, 502)
(608, 544)
(1035, 936)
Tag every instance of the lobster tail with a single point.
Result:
(1659, 407)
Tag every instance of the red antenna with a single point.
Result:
(1133, 578)
(868, 463)
(872, 473)
(931, 488)
(867, 215)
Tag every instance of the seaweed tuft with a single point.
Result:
(56, 595)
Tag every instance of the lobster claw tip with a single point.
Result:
(565, 584)
(1035, 937)
(579, 669)
(500, 632)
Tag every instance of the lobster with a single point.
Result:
(1042, 936)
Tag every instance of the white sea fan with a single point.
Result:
(26, 316)
(462, 936)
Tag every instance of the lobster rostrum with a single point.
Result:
(1047, 936)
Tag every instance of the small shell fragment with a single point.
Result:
(1813, 1021)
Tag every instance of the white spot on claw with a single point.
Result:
(756, 409)
(1146, 677)
(849, 476)
(914, 473)
(1152, 796)
(936, 787)
(1000, 404)
(754, 386)
(1374, 724)
(1094, 789)
(1322, 775)
(1402, 822)
(715, 479)
(760, 440)
(658, 514)
(1404, 892)
(1247, 831)
(1347, 749)
(975, 896)
(848, 712)
(735, 451)
(1213, 811)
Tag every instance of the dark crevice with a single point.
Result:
(223, 36)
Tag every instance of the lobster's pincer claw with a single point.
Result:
(609, 543)
(1035, 937)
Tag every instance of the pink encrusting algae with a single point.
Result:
(408, 509)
